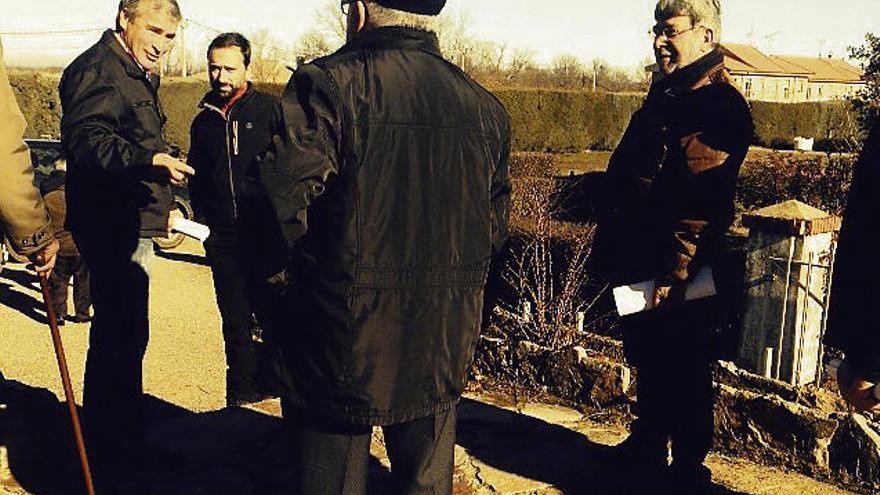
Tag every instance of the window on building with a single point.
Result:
(748, 89)
(787, 93)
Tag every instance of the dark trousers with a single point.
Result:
(239, 299)
(333, 459)
(113, 384)
(66, 267)
(674, 392)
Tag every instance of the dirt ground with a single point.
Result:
(546, 450)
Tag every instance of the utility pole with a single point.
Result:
(183, 48)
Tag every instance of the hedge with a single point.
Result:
(543, 120)
(777, 124)
(567, 121)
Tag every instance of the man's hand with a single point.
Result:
(44, 259)
(177, 170)
(856, 390)
(668, 295)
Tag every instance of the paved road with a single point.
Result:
(546, 450)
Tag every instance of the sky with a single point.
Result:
(614, 30)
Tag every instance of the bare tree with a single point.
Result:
(567, 71)
(521, 59)
(311, 45)
(329, 21)
(489, 55)
(267, 57)
(456, 42)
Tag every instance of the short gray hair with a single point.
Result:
(131, 8)
(381, 16)
(702, 12)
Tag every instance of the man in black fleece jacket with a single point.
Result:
(236, 124)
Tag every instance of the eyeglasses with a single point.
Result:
(345, 5)
(668, 31)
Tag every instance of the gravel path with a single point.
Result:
(184, 364)
(240, 451)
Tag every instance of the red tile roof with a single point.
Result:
(743, 58)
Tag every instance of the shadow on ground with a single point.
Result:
(535, 449)
(239, 451)
(195, 259)
(19, 301)
(231, 451)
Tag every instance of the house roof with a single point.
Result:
(746, 58)
(823, 69)
(742, 58)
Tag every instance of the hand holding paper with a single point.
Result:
(635, 298)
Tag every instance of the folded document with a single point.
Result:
(190, 228)
(639, 297)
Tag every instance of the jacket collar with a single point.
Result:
(399, 37)
(707, 69)
(131, 67)
(211, 102)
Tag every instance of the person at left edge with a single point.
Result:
(118, 198)
(235, 124)
(24, 220)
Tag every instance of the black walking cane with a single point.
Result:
(68, 389)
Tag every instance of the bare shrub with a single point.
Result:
(546, 284)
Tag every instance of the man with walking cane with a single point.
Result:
(23, 217)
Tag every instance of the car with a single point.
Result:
(47, 153)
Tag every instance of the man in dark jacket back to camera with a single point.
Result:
(236, 123)
(671, 184)
(391, 185)
(118, 198)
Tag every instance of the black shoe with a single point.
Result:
(640, 451)
(59, 322)
(692, 478)
(79, 318)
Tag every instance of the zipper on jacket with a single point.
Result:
(229, 163)
(227, 122)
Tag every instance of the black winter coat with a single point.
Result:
(111, 127)
(670, 184)
(852, 326)
(391, 184)
(222, 147)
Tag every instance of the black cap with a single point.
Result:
(423, 7)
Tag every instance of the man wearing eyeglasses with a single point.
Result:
(671, 184)
(391, 185)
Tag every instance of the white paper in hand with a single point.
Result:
(638, 297)
(190, 228)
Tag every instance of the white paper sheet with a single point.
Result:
(190, 228)
(635, 298)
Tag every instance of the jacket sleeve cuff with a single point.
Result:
(143, 156)
(29, 244)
